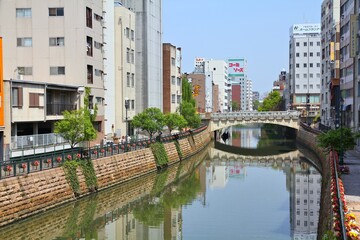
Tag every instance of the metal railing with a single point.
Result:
(275, 114)
(33, 141)
(58, 108)
(39, 162)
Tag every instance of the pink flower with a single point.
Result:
(69, 157)
(78, 155)
(36, 163)
(58, 159)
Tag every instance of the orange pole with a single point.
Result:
(2, 122)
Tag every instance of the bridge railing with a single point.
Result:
(275, 114)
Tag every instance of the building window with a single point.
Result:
(318, 86)
(297, 65)
(98, 72)
(318, 54)
(172, 98)
(97, 125)
(56, 12)
(90, 77)
(305, 54)
(311, 75)
(311, 54)
(173, 61)
(24, 42)
(297, 75)
(128, 79)
(56, 41)
(297, 54)
(305, 75)
(97, 17)
(305, 86)
(34, 99)
(311, 65)
(297, 44)
(305, 65)
(172, 80)
(127, 32)
(311, 86)
(317, 64)
(318, 43)
(24, 71)
(179, 81)
(128, 55)
(23, 12)
(99, 100)
(132, 80)
(17, 97)
(305, 44)
(132, 55)
(88, 17)
(57, 70)
(97, 45)
(132, 35)
(297, 86)
(89, 46)
(178, 98)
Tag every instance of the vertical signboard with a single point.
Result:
(332, 51)
(353, 33)
(2, 123)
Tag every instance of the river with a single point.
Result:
(255, 184)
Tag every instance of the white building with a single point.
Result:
(305, 68)
(148, 40)
(219, 71)
(52, 50)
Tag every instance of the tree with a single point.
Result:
(256, 104)
(188, 111)
(271, 103)
(235, 106)
(77, 125)
(150, 120)
(174, 121)
(337, 139)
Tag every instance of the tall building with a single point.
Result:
(330, 77)
(219, 70)
(171, 78)
(148, 84)
(305, 69)
(52, 50)
(198, 83)
(237, 74)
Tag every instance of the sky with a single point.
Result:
(255, 30)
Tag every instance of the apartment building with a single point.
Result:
(237, 74)
(172, 82)
(52, 51)
(330, 63)
(305, 69)
(149, 73)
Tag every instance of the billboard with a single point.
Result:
(305, 29)
(236, 67)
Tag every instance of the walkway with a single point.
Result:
(351, 182)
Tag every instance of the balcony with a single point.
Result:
(58, 108)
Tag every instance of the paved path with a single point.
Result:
(351, 182)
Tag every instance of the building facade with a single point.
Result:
(149, 73)
(330, 65)
(305, 69)
(172, 81)
(52, 51)
(198, 83)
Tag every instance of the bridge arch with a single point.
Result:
(218, 121)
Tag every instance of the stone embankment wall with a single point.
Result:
(26, 195)
(308, 140)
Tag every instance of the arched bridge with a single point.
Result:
(223, 120)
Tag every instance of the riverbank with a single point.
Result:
(26, 195)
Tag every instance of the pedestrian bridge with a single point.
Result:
(222, 120)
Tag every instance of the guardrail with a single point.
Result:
(294, 114)
(39, 162)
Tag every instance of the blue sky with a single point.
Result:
(255, 30)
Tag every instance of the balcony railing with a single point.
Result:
(57, 109)
(33, 141)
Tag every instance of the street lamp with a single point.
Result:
(341, 154)
(127, 103)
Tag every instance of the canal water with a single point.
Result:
(253, 184)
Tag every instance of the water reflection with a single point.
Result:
(224, 196)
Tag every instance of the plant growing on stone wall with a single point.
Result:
(178, 149)
(71, 176)
(87, 169)
(160, 154)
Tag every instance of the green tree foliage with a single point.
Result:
(188, 111)
(151, 120)
(187, 92)
(235, 106)
(337, 139)
(256, 104)
(77, 125)
(174, 121)
(271, 103)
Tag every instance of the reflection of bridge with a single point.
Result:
(279, 159)
(223, 120)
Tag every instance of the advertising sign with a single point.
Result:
(236, 67)
(305, 29)
(353, 32)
